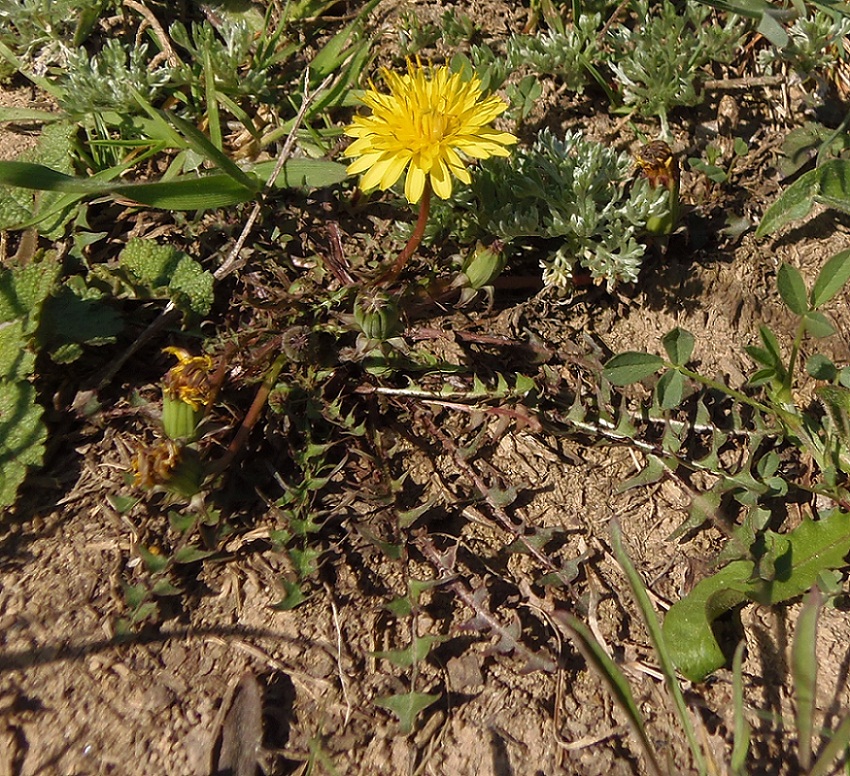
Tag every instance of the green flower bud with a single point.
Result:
(484, 264)
(180, 419)
(377, 315)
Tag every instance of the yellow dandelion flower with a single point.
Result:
(431, 121)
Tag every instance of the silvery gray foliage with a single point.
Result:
(658, 61)
(565, 55)
(576, 196)
(108, 80)
(229, 49)
(814, 43)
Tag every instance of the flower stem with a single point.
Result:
(415, 239)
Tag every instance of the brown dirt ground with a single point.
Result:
(74, 701)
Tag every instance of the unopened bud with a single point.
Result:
(377, 315)
(483, 265)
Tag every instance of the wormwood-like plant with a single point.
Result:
(770, 566)
(658, 60)
(573, 199)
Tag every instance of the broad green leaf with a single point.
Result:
(793, 204)
(687, 626)
(831, 279)
(407, 707)
(772, 29)
(818, 325)
(631, 367)
(670, 389)
(812, 547)
(22, 435)
(834, 184)
(679, 345)
(792, 289)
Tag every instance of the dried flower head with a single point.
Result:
(428, 124)
(189, 380)
(155, 465)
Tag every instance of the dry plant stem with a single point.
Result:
(739, 84)
(415, 239)
(167, 316)
(161, 35)
(481, 486)
(251, 418)
(465, 594)
(232, 262)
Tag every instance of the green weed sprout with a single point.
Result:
(803, 674)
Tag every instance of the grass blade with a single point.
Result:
(741, 730)
(804, 672)
(836, 746)
(618, 685)
(200, 143)
(653, 626)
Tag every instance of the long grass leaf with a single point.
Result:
(181, 193)
(617, 684)
(837, 745)
(202, 145)
(213, 119)
(741, 727)
(653, 626)
(804, 672)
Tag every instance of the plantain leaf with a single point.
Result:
(812, 547)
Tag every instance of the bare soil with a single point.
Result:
(75, 699)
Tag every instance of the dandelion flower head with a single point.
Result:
(429, 123)
(189, 380)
